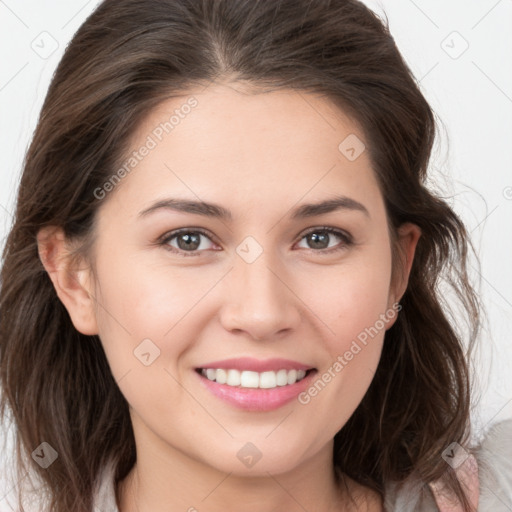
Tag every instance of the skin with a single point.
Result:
(260, 156)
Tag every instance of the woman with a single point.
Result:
(221, 288)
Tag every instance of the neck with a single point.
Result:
(178, 486)
(178, 482)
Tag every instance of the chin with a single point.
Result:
(258, 459)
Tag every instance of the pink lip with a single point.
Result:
(256, 365)
(256, 399)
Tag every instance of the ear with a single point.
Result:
(408, 236)
(71, 283)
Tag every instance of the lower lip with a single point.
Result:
(256, 399)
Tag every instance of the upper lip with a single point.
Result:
(257, 365)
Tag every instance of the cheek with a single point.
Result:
(141, 321)
(354, 313)
(351, 300)
(148, 303)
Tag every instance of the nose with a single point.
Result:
(260, 302)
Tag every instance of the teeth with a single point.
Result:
(249, 379)
(233, 378)
(221, 377)
(268, 380)
(282, 378)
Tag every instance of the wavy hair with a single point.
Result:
(126, 58)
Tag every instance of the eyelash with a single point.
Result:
(164, 240)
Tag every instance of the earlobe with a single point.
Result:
(408, 237)
(70, 282)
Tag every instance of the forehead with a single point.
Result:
(228, 117)
(232, 145)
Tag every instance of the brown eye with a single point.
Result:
(188, 241)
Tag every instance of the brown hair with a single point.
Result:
(125, 59)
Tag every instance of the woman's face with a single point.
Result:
(254, 287)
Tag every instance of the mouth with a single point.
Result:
(252, 390)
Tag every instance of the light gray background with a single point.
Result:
(469, 88)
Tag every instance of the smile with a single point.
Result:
(255, 385)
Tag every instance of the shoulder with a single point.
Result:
(491, 462)
(494, 458)
(105, 495)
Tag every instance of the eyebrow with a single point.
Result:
(216, 211)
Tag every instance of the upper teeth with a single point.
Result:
(248, 379)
